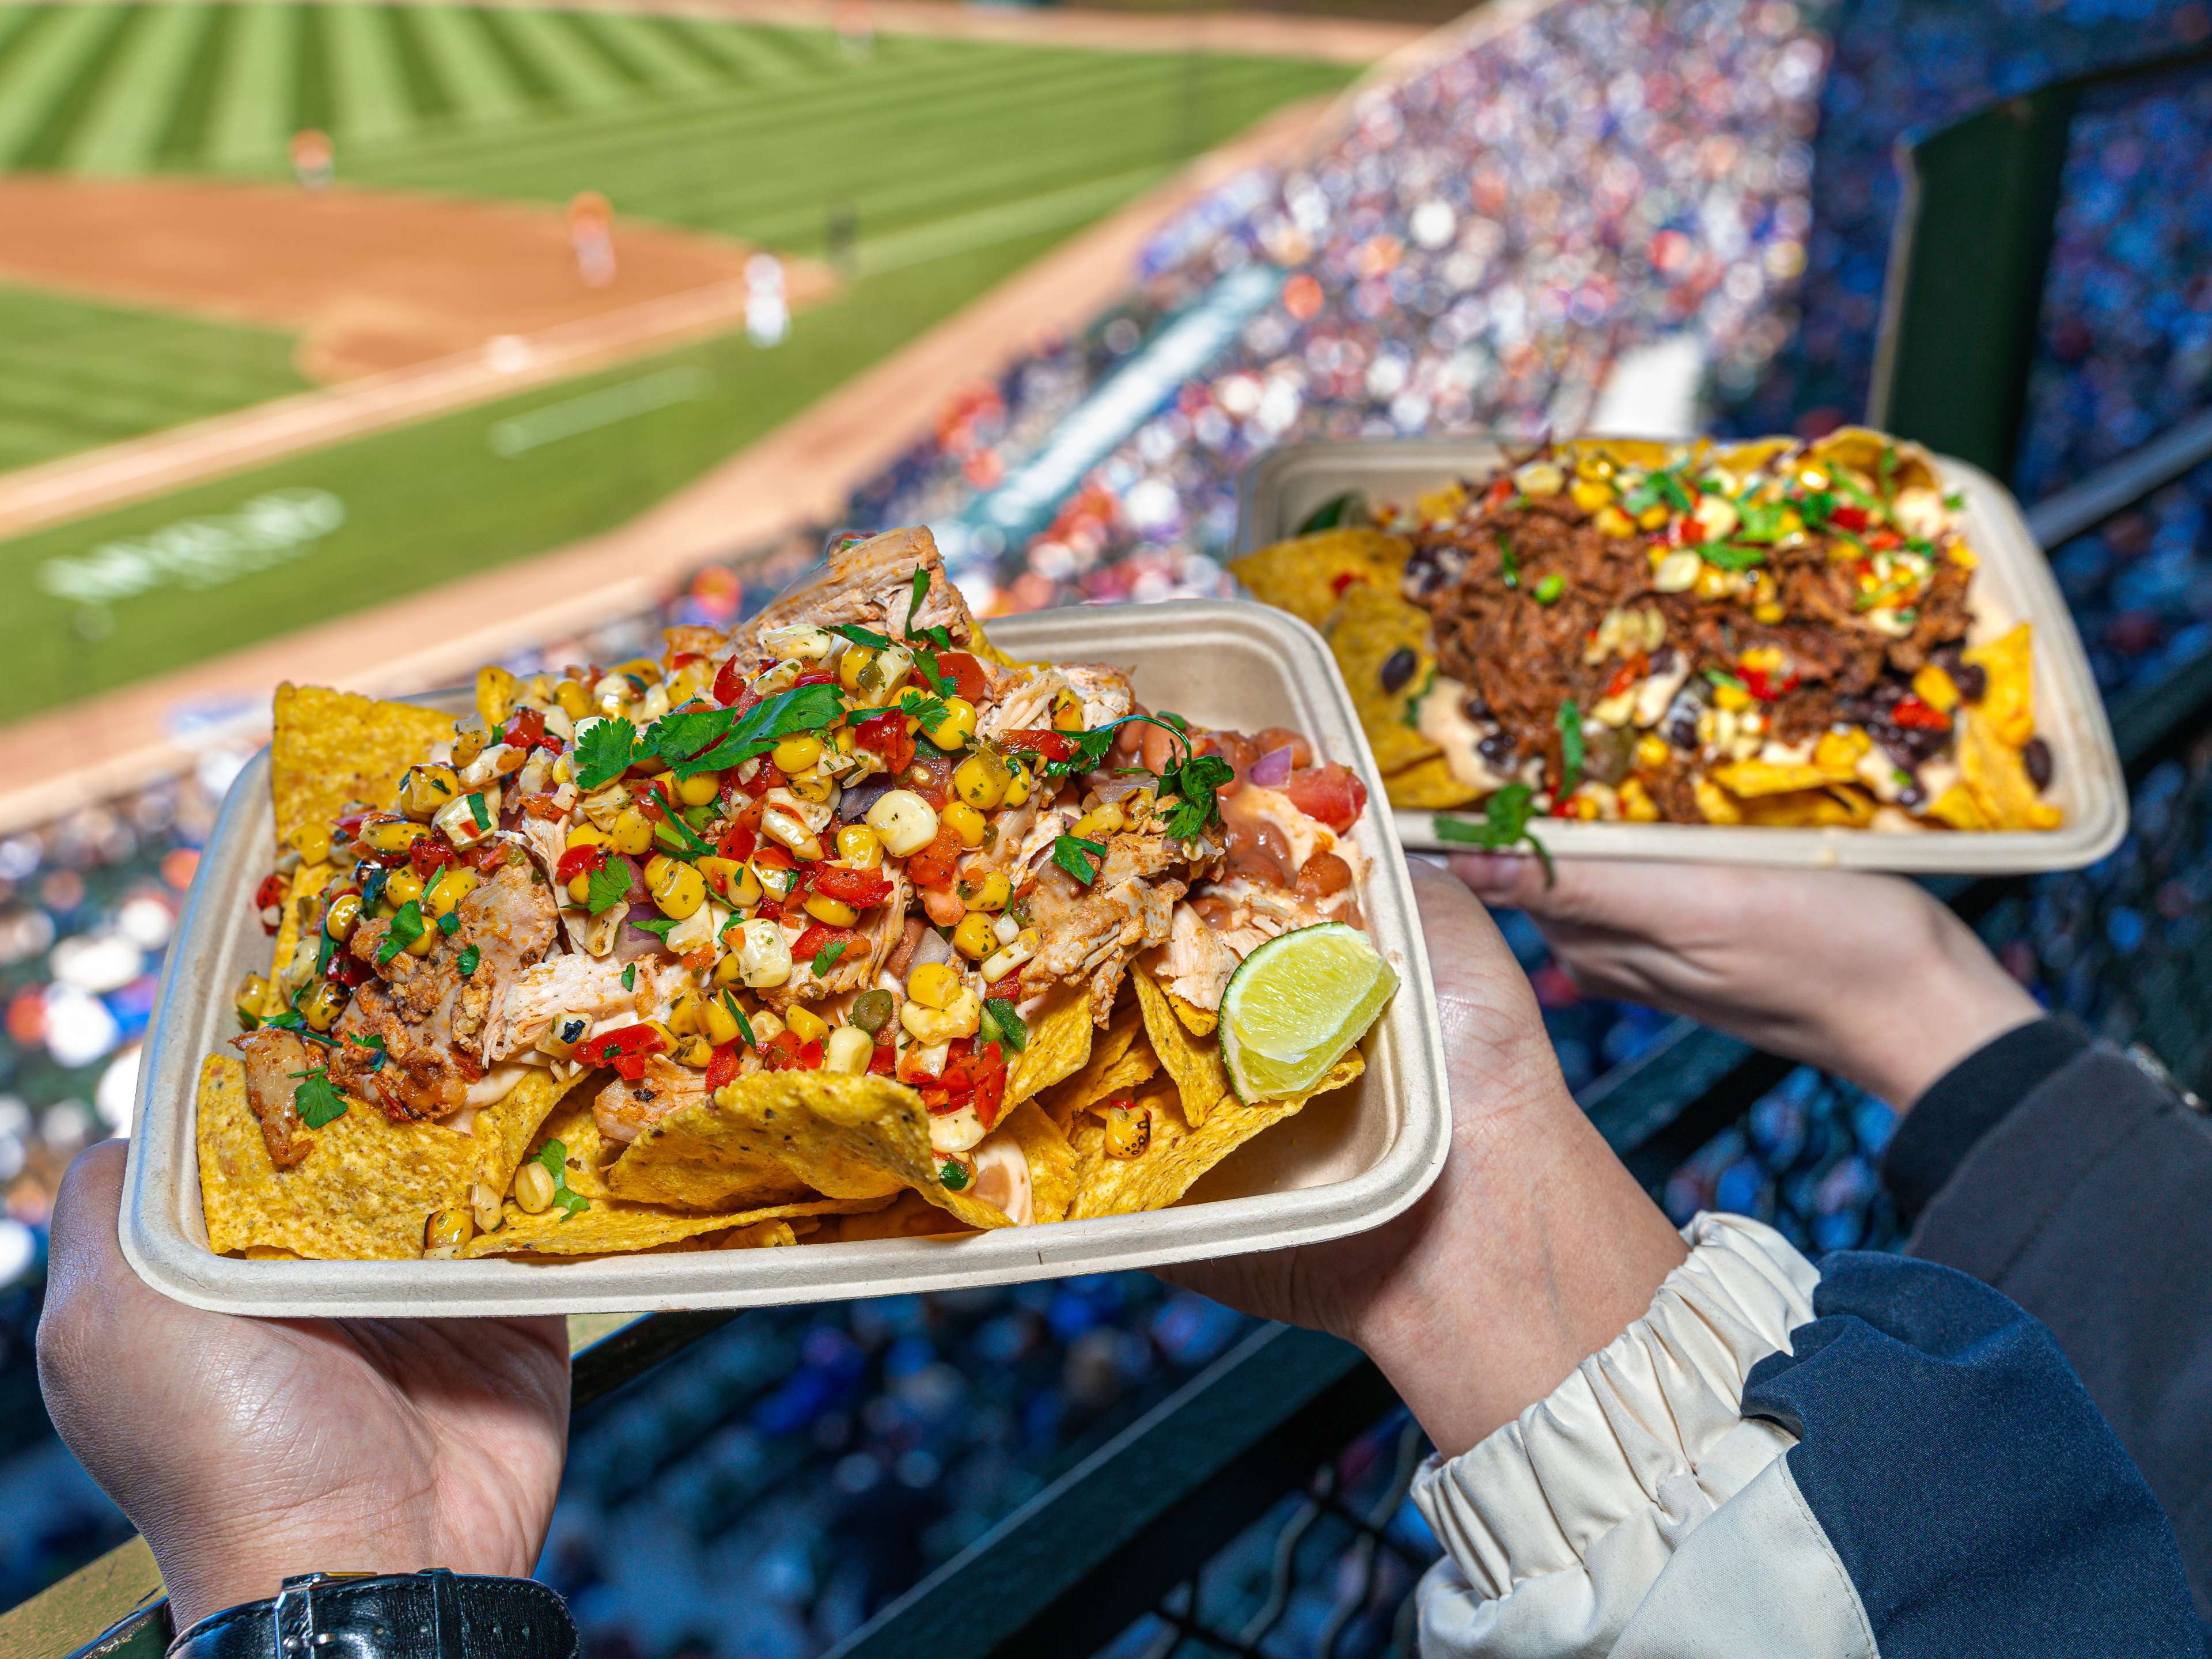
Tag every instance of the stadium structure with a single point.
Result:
(1052, 279)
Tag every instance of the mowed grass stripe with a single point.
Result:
(370, 86)
(587, 80)
(601, 37)
(191, 109)
(65, 116)
(250, 127)
(667, 67)
(426, 87)
(120, 133)
(477, 78)
(529, 73)
(699, 43)
(42, 73)
(314, 104)
(19, 25)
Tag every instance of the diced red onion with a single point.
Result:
(933, 947)
(1273, 769)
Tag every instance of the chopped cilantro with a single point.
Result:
(324, 950)
(1954, 500)
(929, 710)
(477, 811)
(374, 1045)
(744, 1025)
(921, 591)
(1722, 676)
(1509, 562)
(608, 886)
(1504, 825)
(1196, 783)
(1411, 718)
(1571, 746)
(406, 928)
(1069, 853)
(658, 926)
(629, 977)
(603, 753)
(853, 633)
(468, 959)
(1731, 556)
(317, 1099)
(826, 957)
(1195, 778)
(676, 835)
(450, 923)
(1337, 510)
(695, 740)
(553, 1158)
(1659, 487)
(1015, 1034)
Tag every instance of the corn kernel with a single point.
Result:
(692, 1050)
(700, 789)
(1018, 782)
(494, 696)
(967, 823)
(568, 1029)
(787, 831)
(717, 1023)
(933, 985)
(1066, 711)
(589, 835)
(852, 664)
(1765, 658)
(973, 937)
(1102, 819)
(1653, 517)
(1595, 465)
(1635, 803)
(905, 821)
(805, 1023)
(312, 841)
(729, 969)
(1651, 751)
(251, 991)
(322, 1005)
(849, 1050)
(447, 1230)
(683, 1014)
(424, 942)
(764, 959)
(859, 846)
(1540, 479)
(342, 916)
(533, 1188)
(633, 832)
(831, 912)
(677, 888)
(774, 879)
(1128, 1131)
(816, 788)
(387, 834)
(1733, 698)
(799, 643)
(797, 753)
(1769, 613)
(1589, 495)
(579, 889)
(1612, 521)
(1008, 956)
(427, 788)
(1712, 582)
(404, 887)
(640, 668)
(574, 699)
(981, 780)
(721, 875)
(952, 728)
(468, 742)
(992, 893)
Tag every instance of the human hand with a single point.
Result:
(1865, 976)
(246, 1449)
(1533, 1251)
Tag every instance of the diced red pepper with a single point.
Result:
(930, 777)
(812, 1056)
(774, 858)
(487, 857)
(1627, 674)
(1847, 517)
(933, 866)
(542, 807)
(1500, 490)
(814, 676)
(579, 861)
(729, 683)
(768, 909)
(723, 1067)
(885, 1061)
(625, 1049)
(886, 735)
(1921, 716)
(738, 840)
(817, 939)
(785, 1053)
(1765, 687)
(1884, 541)
(429, 855)
(859, 888)
(276, 887)
(349, 825)
(1039, 741)
(526, 729)
(1343, 579)
(348, 970)
(965, 673)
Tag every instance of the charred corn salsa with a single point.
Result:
(840, 925)
(1774, 635)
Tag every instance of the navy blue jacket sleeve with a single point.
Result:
(1965, 1481)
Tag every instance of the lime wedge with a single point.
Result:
(1296, 1004)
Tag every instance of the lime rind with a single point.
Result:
(1296, 1004)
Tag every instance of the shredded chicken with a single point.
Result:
(272, 1057)
(570, 984)
(870, 583)
(1196, 962)
(1092, 932)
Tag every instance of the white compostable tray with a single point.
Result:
(1344, 1165)
(1282, 488)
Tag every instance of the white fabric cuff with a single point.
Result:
(1577, 1504)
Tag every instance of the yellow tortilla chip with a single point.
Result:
(1428, 787)
(1748, 780)
(1861, 449)
(1179, 1154)
(1308, 574)
(846, 1137)
(1200, 1079)
(307, 882)
(1957, 807)
(979, 645)
(611, 1226)
(1809, 809)
(1370, 627)
(362, 1194)
(507, 1130)
(1058, 1045)
(1122, 1058)
(683, 1170)
(331, 747)
(2008, 703)
(1716, 803)
(907, 1216)
(1053, 1163)
(1647, 452)
(1994, 772)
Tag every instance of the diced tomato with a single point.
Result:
(816, 676)
(700, 960)
(729, 683)
(429, 855)
(812, 1056)
(738, 838)
(885, 1061)
(1627, 674)
(768, 909)
(1765, 687)
(1884, 541)
(817, 939)
(774, 858)
(625, 1049)
(1500, 491)
(965, 673)
(348, 970)
(487, 857)
(860, 888)
(1328, 794)
(886, 735)
(542, 807)
(933, 866)
(526, 729)
(276, 887)
(1343, 579)
(785, 1053)
(1039, 741)
(1921, 716)
(1847, 517)
(930, 777)
(349, 825)
(724, 1065)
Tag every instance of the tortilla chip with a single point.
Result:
(1200, 1079)
(2008, 703)
(979, 645)
(1369, 627)
(1808, 809)
(907, 1216)
(685, 1170)
(1058, 1044)
(1121, 1059)
(1861, 449)
(507, 1130)
(362, 1194)
(846, 1137)
(611, 1226)
(1053, 1163)
(1178, 1155)
(1748, 780)
(1308, 574)
(333, 747)
(1428, 787)
(1993, 771)
(1957, 807)
(307, 882)
(1647, 452)
(1716, 803)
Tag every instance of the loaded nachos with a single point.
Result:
(1775, 633)
(842, 925)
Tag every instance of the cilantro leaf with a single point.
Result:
(468, 959)
(1068, 851)
(854, 634)
(317, 1100)
(927, 710)
(1504, 825)
(826, 957)
(913, 600)
(1509, 562)
(1014, 1033)
(608, 886)
(924, 664)
(744, 1025)
(1411, 718)
(324, 950)
(629, 977)
(658, 926)
(553, 1158)
(1731, 556)
(482, 819)
(1196, 781)
(450, 923)
(603, 753)
(679, 836)
(406, 928)
(374, 1045)
(1571, 746)
(695, 740)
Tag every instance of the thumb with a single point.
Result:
(1488, 1006)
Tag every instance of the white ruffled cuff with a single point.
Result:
(1602, 1480)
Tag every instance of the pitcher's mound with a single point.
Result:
(371, 280)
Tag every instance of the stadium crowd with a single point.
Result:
(1477, 250)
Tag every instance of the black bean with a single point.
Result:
(1664, 660)
(1496, 749)
(1973, 681)
(1398, 668)
(1913, 797)
(1475, 708)
(1683, 734)
(2037, 758)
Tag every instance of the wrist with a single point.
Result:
(1929, 1021)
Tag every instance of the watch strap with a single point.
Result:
(423, 1615)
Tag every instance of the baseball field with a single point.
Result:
(186, 274)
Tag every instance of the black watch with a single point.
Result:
(420, 1615)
